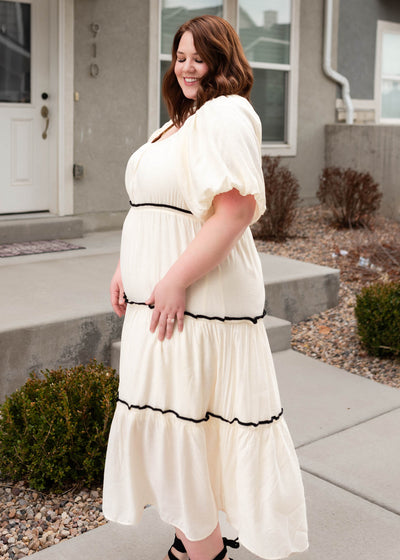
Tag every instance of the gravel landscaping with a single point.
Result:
(363, 256)
(31, 521)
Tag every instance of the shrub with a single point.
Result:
(282, 196)
(352, 197)
(378, 316)
(54, 430)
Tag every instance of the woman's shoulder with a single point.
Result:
(229, 112)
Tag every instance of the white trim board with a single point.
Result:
(382, 27)
(65, 76)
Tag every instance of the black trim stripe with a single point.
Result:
(216, 318)
(161, 206)
(206, 417)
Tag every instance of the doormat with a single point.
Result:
(36, 247)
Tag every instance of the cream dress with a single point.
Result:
(198, 425)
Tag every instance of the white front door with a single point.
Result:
(27, 107)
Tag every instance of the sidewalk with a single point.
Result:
(345, 429)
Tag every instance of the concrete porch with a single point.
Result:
(55, 307)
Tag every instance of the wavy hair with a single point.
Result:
(218, 45)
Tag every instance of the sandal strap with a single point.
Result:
(227, 542)
(180, 547)
(171, 555)
(178, 544)
(232, 543)
(222, 554)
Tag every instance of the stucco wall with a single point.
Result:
(369, 148)
(357, 41)
(110, 118)
(316, 105)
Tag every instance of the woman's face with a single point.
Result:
(189, 68)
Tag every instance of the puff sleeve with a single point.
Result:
(220, 147)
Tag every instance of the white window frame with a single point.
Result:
(382, 27)
(231, 12)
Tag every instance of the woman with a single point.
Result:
(198, 425)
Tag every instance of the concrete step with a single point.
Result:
(16, 229)
(278, 331)
(296, 290)
(55, 309)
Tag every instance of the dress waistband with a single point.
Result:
(161, 206)
(253, 319)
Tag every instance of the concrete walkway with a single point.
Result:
(346, 430)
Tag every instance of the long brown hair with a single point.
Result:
(218, 45)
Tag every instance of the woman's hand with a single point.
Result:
(168, 298)
(117, 293)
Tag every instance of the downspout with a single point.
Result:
(327, 64)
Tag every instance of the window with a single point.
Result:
(387, 73)
(265, 36)
(15, 52)
(268, 30)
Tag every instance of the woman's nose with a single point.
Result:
(188, 65)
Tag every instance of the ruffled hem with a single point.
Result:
(189, 472)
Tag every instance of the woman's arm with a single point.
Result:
(233, 213)
(117, 292)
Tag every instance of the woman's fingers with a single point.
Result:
(121, 299)
(117, 293)
(170, 326)
(168, 300)
(165, 323)
(180, 317)
(162, 326)
(155, 317)
(118, 305)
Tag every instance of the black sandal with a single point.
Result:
(180, 547)
(224, 551)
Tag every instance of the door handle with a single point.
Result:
(45, 114)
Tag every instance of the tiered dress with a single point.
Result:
(199, 425)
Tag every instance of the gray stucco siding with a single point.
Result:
(357, 41)
(110, 118)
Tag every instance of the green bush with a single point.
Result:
(281, 196)
(54, 429)
(378, 316)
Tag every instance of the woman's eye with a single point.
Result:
(199, 61)
(180, 59)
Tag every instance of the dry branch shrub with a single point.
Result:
(378, 318)
(352, 197)
(54, 430)
(282, 196)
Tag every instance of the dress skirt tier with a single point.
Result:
(199, 426)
